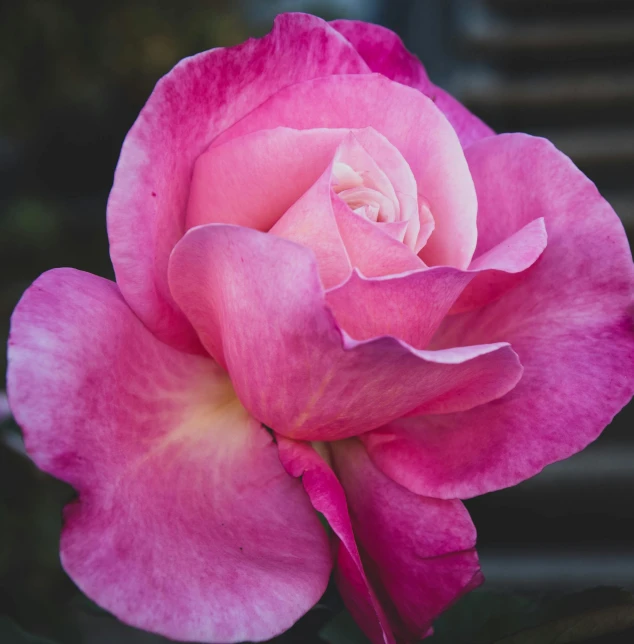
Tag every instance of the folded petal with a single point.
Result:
(385, 53)
(259, 308)
(503, 267)
(411, 123)
(402, 558)
(570, 321)
(371, 250)
(310, 221)
(328, 498)
(197, 100)
(186, 523)
(412, 306)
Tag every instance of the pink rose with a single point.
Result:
(293, 229)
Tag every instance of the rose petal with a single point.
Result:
(570, 321)
(409, 307)
(417, 552)
(186, 523)
(370, 249)
(385, 53)
(412, 306)
(310, 221)
(328, 498)
(253, 180)
(258, 305)
(340, 238)
(503, 267)
(411, 123)
(198, 99)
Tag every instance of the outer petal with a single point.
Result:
(570, 321)
(412, 306)
(413, 554)
(258, 305)
(412, 123)
(328, 498)
(186, 523)
(385, 53)
(197, 100)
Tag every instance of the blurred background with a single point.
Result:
(73, 77)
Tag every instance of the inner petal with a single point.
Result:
(362, 184)
(370, 203)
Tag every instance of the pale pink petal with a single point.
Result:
(418, 552)
(403, 182)
(395, 229)
(385, 53)
(411, 123)
(310, 221)
(256, 179)
(259, 307)
(197, 100)
(186, 523)
(503, 267)
(253, 180)
(370, 249)
(570, 321)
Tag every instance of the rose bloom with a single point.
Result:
(338, 293)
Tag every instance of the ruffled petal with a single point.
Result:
(385, 53)
(411, 123)
(402, 558)
(412, 306)
(259, 308)
(186, 523)
(197, 100)
(570, 321)
(503, 267)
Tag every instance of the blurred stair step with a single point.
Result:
(539, 569)
(485, 90)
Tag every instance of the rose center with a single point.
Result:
(357, 190)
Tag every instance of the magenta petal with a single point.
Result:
(503, 267)
(570, 321)
(402, 558)
(329, 499)
(385, 53)
(409, 307)
(186, 523)
(196, 101)
(412, 306)
(420, 133)
(259, 307)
